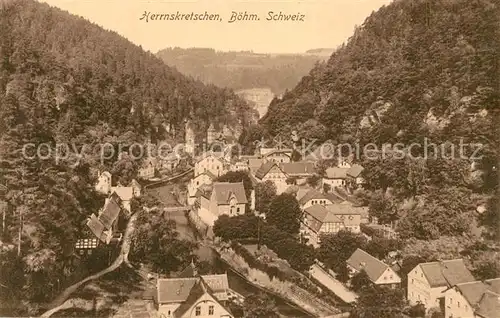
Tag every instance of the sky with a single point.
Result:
(326, 23)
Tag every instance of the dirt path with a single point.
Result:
(61, 301)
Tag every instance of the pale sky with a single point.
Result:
(327, 23)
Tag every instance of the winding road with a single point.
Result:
(61, 301)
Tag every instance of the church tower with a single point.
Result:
(189, 138)
(211, 134)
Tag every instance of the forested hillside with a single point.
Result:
(66, 80)
(243, 70)
(414, 69)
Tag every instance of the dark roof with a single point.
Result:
(96, 227)
(489, 305)
(446, 273)
(310, 195)
(264, 169)
(355, 170)
(110, 213)
(254, 164)
(480, 295)
(224, 190)
(301, 168)
(174, 290)
(361, 260)
(198, 289)
(321, 215)
(334, 198)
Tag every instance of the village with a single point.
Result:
(327, 208)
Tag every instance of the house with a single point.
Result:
(335, 177)
(254, 164)
(354, 179)
(125, 194)
(226, 198)
(136, 188)
(219, 284)
(239, 166)
(103, 184)
(473, 299)
(147, 169)
(169, 161)
(278, 155)
(349, 214)
(210, 161)
(190, 297)
(428, 281)
(313, 197)
(317, 221)
(86, 246)
(272, 172)
(206, 177)
(108, 223)
(299, 171)
(377, 271)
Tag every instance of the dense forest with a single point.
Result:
(64, 80)
(414, 69)
(243, 70)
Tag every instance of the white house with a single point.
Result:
(278, 155)
(210, 161)
(226, 198)
(190, 297)
(475, 299)
(428, 281)
(148, 168)
(318, 221)
(354, 178)
(378, 272)
(271, 171)
(103, 184)
(313, 197)
(335, 177)
(194, 184)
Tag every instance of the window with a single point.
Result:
(237, 209)
(210, 310)
(412, 280)
(458, 304)
(198, 311)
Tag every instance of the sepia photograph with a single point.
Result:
(250, 158)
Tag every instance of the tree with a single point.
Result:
(342, 273)
(313, 180)
(379, 302)
(417, 311)
(360, 280)
(156, 242)
(285, 213)
(380, 247)
(336, 248)
(265, 192)
(487, 269)
(236, 227)
(258, 306)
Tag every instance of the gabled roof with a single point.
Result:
(312, 194)
(489, 305)
(361, 260)
(174, 290)
(301, 168)
(198, 290)
(355, 170)
(218, 283)
(214, 154)
(319, 213)
(96, 227)
(224, 190)
(333, 197)
(484, 297)
(446, 273)
(336, 173)
(109, 213)
(135, 183)
(264, 169)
